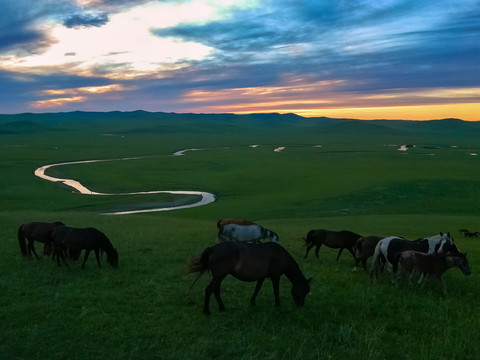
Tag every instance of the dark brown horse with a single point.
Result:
(334, 239)
(222, 222)
(35, 231)
(69, 240)
(249, 262)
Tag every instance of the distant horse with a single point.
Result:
(429, 264)
(249, 262)
(245, 233)
(365, 249)
(73, 240)
(35, 231)
(467, 233)
(333, 239)
(388, 247)
(222, 222)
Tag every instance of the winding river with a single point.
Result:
(207, 197)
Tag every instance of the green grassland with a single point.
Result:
(356, 180)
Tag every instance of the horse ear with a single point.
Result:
(441, 234)
(309, 280)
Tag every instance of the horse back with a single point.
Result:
(399, 245)
(342, 238)
(78, 239)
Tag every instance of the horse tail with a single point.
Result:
(199, 266)
(376, 263)
(360, 241)
(21, 241)
(309, 239)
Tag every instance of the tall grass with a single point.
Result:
(144, 309)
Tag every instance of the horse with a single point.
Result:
(365, 249)
(388, 247)
(245, 233)
(430, 264)
(334, 239)
(222, 222)
(73, 240)
(249, 262)
(35, 231)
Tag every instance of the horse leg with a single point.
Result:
(353, 254)
(87, 252)
(31, 249)
(340, 253)
(59, 252)
(276, 283)
(213, 287)
(317, 249)
(364, 263)
(258, 286)
(98, 257)
(444, 289)
(308, 249)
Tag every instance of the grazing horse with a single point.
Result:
(388, 247)
(73, 240)
(334, 239)
(222, 222)
(35, 231)
(429, 264)
(467, 233)
(365, 249)
(245, 233)
(249, 262)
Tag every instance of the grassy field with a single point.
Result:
(356, 180)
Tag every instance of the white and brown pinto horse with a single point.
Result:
(429, 264)
(245, 233)
(388, 248)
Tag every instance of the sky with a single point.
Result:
(365, 59)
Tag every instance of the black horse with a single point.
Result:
(334, 239)
(249, 262)
(35, 231)
(70, 240)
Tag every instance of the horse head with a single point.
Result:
(460, 260)
(112, 258)
(300, 291)
(446, 245)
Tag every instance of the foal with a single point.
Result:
(430, 264)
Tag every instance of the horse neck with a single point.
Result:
(293, 272)
(452, 261)
(105, 244)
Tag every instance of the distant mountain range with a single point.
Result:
(143, 121)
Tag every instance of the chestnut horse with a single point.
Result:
(365, 249)
(222, 222)
(249, 262)
(35, 231)
(429, 264)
